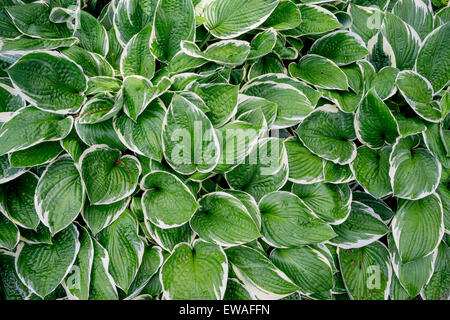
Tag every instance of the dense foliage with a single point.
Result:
(224, 149)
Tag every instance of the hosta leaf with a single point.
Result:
(263, 43)
(60, 194)
(174, 22)
(43, 266)
(10, 98)
(304, 166)
(101, 216)
(287, 222)
(413, 275)
(371, 168)
(418, 92)
(102, 286)
(151, 262)
(444, 194)
(226, 19)
(249, 103)
(258, 274)
(236, 291)
(227, 52)
(30, 126)
(24, 44)
(438, 286)
(167, 202)
(131, 16)
(92, 64)
(183, 121)
(224, 220)
(418, 222)
(92, 34)
(99, 108)
(306, 267)
(342, 47)
(99, 133)
(137, 57)
(292, 104)
(404, 40)
(250, 204)
(432, 58)
(434, 142)
(285, 16)
(365, 20)
(319, 71)
(101, 84)
(78, 284)
(328, 133)
(375, 124)
(366, 271)
(195, 272)
(39, 154)
(335, 173)
(138, 92)
(221, 100)
(362, 227)
(124, 247)
(7, 172)
(11, 287)
(316, 19)
(17, 200)
(108, 176)
(143, 136)
(406, 158)
(169, 238)
(417, 14)
(40, 235)
(379, 206)
(330, 202)
(62, 88)
(9, 234)
(265, 169)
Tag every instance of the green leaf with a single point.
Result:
(258, 274)
(365, 21)
(432, 57)
(405, 158)
(417, 14)
(227, 52)
(30, 126)
(137, 57)
(60, 194)
(184, 121)
(330, 202)
(413, 275)
(437, 288)
(108, 177)
(195, 272)
(41, 267)
(316, 20)
(375, 124)
(17, 200)
(99, 108)
(9, 234)
(307, 267)
(174, 22)
(366, 271)
(103, 132)
(335, 173)
(371, 169)
(143, 136)
(404, 40)
(265, 169)
(7, 172)
(236, 291)
(99, 217)
(418, 222)
(39, 154)
(131, 16)
(418, 92)
(227, 19)
(92, 64)
(319, 71)
(60, 91)
(342, 47)
(167, 202)
(78, 284)
(287, 222)
(138, 92)
(292, 104)
(285, 16)
(24, 44)
(328, 133)
(169, 238)
(362, 227)
(223, 219)
(102, 286)
(125, 249)
(304, 166)
(11, 287)
(263, 43)
(92, 34)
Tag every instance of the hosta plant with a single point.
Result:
(224, 149)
